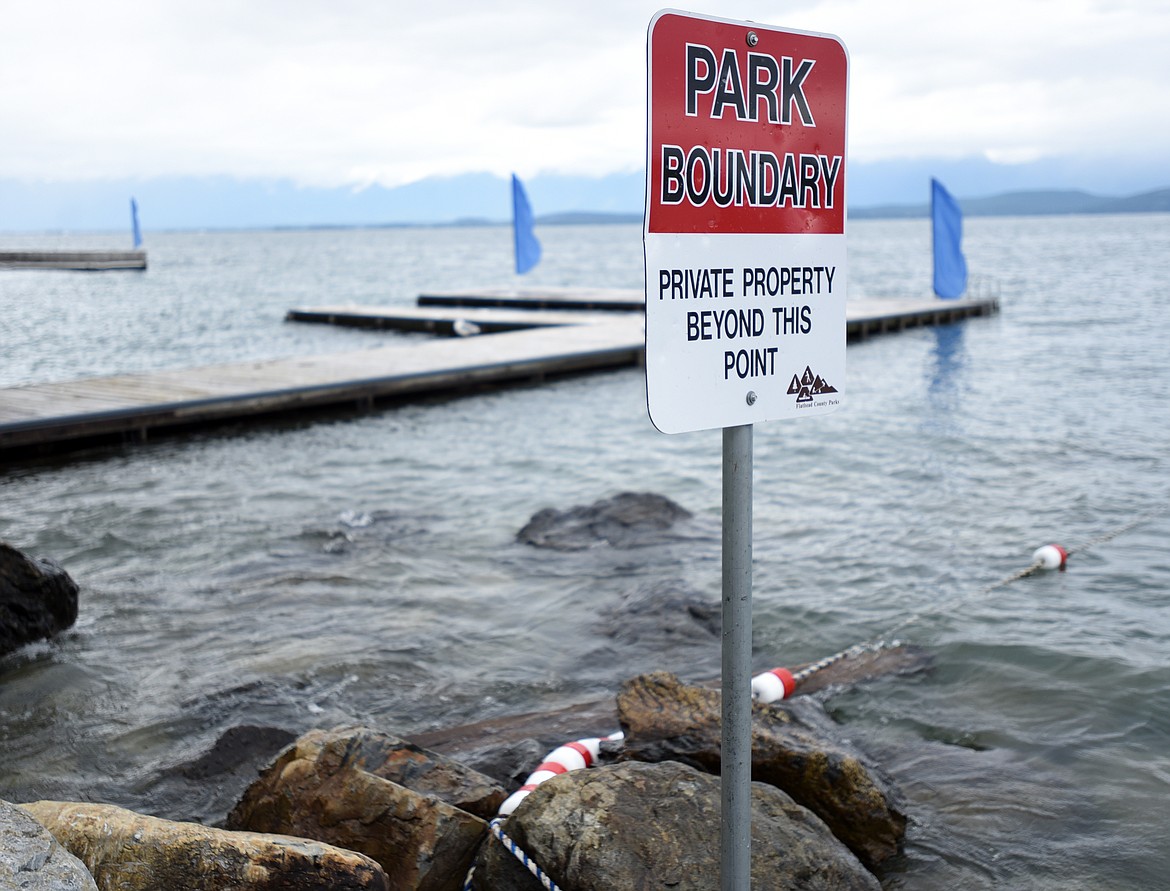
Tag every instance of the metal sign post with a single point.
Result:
(744, 238)
(735, 822)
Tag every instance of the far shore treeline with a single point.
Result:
(1042, 202)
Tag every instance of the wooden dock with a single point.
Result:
(534, 343)
(79, 260)
(58, 416)
(450, 321)
(510, 310)
(865, 318)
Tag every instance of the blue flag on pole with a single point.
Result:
(950, 266)
(527, 247)
(134, 223)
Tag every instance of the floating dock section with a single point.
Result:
(55, 416)
(444, 320)
(865, 318)
(562, 335)
(502, 309)
(80, 260)
(587, 299)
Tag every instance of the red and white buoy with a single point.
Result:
(574, 755)
(773, 685)
(1051, 556)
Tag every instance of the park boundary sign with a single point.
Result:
(744, 229)
(745, 288)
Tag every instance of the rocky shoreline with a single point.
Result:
(355, 807)
(359, 807)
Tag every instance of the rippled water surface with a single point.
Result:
(365, 568)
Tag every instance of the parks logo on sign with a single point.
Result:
(808, 387)
(745, 222)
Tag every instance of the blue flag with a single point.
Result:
(950, 267)
(527, 247)
(134, 223)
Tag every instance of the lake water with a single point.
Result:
(343, 569)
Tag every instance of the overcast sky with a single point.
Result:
(337, 92)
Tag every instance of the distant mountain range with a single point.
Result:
(1033, 203)
(1010, 204)
(224, 202)
(876, 190)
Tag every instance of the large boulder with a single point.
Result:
(126, 851)
(794, 748)
(237, 749)
(37, 599)
(349, 787)
(628, 520)
(31, 859)
(633, 826)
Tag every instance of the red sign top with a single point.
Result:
(746, 128)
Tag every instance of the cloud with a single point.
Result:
(1004, 77)
(365, 91)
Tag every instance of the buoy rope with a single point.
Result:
(875, 644)
(1112, 534)
(779, 683)
(575, 755)
(518, 852)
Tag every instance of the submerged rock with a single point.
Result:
(237, 750)
(37, 599)
(132, 852)
(408, 809)
(882, 660)
(628, 520)
(793, 748)
(662, 615)
(31, 859)
(633, 825)
(204, 788)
